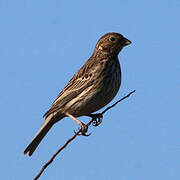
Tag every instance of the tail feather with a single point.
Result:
(48, 123)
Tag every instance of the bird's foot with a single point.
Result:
(96, 119)
(83, 130)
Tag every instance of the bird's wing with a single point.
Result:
(76, 85)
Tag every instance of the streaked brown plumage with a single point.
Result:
(91, 88)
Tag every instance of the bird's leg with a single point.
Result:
(96, 119)
(84, 128)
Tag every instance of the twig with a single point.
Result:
(95, 123)
(118, 102)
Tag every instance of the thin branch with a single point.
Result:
(118, 102)
(54, 155)
(95, 123)
(60, 149)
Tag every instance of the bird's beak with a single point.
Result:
(127, 42)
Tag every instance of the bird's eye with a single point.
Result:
(112, 39)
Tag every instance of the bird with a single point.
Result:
(91, 88)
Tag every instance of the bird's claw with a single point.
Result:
(97, 119)
(83, 130)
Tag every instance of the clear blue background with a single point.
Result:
(43, 43)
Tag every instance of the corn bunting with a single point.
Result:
(91, 88)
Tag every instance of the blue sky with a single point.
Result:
(43, 43)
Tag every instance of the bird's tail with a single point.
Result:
(48, 123)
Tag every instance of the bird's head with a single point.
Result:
(111, 43)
